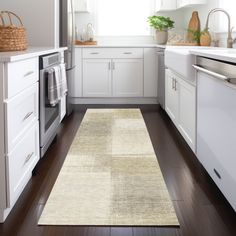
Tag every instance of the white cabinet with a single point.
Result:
(189, 3)
(166, 5)
(19, 139)
(20, 112)
(112, 72)
(127, 75)
(81, 6)
(181, 106)
(170, 5)
(20, 163)
(62, 108)
(97, 78)
(150, 68)
(171, 99)
(75, 87)
(118, 73)
(187, 111)
(112, 77)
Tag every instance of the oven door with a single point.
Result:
(49, 115)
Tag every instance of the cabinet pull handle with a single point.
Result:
(28, 73)
(109, 65)
(127, 53)
(217, 174)
(94, 53)
(173, 83)
(28, 115)
(28, 157)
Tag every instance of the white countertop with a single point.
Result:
(223, 54)
(30, 52)
(122, 46)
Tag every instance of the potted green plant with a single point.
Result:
(162, 25)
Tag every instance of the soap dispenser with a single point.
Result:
(90, 32)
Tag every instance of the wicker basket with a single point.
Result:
(12, 38)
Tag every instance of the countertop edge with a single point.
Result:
(31, 52)
(226, 57)
(122, 46)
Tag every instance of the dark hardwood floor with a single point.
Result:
(201, 208)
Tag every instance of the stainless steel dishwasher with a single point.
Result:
(216, 123)
(161, 76)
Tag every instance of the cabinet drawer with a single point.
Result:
(20, 163)
(21, 74)
(113, 53)
(21, 111)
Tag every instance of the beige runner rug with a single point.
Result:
(110, 176)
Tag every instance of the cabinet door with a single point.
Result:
(166, 5)
(62, 108)
(81, 5)
(20, 163)
(187, 111)
(127, 77)
(171, 96)
(187, 3)
(150, 72)
(75, 84)
(97, 78)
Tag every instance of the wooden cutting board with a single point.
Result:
(194, 25)
(86, 43)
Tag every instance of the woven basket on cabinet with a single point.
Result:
(12, 38)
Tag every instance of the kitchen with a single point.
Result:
(155, 83)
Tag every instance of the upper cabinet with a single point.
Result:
(166, 5)
(170, 5)
(82, 6)
(189, 3)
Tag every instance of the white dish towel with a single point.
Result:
(57, 84)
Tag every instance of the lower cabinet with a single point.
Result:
(171, 99)
(112, 77)
(116, 73)
(127, 77)
(181, 106)
(20, 163)
(96, 78)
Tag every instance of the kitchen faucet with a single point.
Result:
(230, 40)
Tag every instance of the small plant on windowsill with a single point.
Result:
(161, 24)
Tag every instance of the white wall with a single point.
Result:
(40, 19)
(203, 11)
(82, 19)
(214, 24)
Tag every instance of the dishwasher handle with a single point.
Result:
(212, 73)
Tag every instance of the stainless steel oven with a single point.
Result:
(49, 115)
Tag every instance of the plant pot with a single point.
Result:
(162, 37)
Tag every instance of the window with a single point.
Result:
(123, 17)
(230, 7)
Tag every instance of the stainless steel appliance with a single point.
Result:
(49, 115)
(161, 76)
(67, 39)
(216, 123)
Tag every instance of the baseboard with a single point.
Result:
(114, 101)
